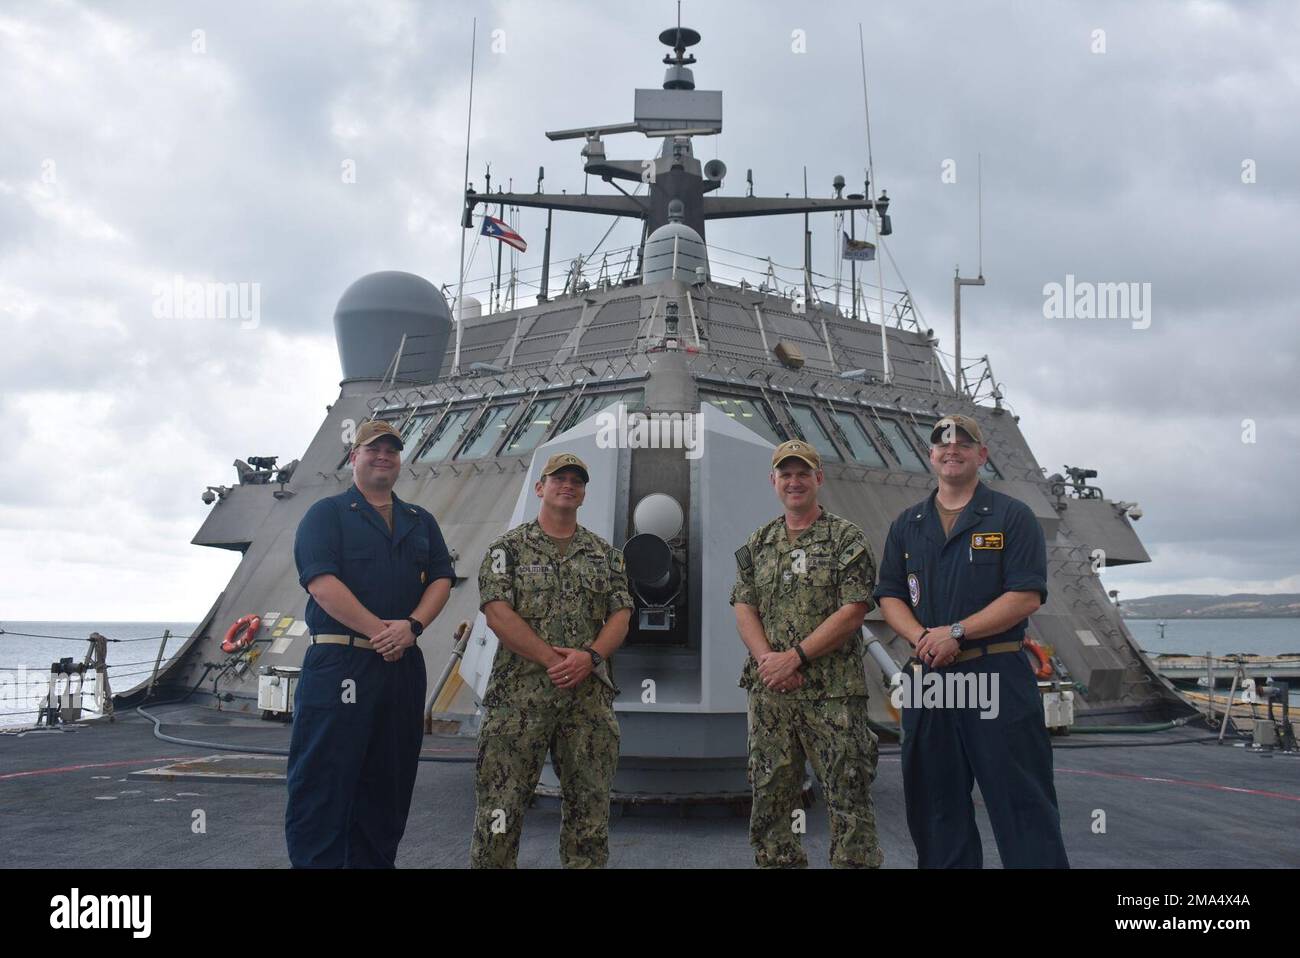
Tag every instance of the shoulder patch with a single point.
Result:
(616, 560)
(851, 552)
(744, 558)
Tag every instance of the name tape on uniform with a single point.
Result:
(986, 540)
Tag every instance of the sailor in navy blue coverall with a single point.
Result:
(378, 573)
(961, 597)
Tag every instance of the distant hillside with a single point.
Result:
(1240, 606)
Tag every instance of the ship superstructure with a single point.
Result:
(608, 365)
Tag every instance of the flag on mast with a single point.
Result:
(498, 229)
(858, 249)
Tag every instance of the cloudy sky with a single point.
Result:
(1148, 143)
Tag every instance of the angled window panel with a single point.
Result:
(413, 435)
(446, 435)
(593, 403)
(488, 432)
(898, 445)
(858, 441)
(751, 413)
(813, 432)
(533, 427)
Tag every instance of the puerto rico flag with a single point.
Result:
(498, 229)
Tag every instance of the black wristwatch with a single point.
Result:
(595, 657)
(803, 656)
(416, 628)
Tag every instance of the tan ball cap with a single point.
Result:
(797, 449)
(370, 431)
(565, 460)
(967, 425)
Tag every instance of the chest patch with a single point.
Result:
(914, 588)
(986, 540)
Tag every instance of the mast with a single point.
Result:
(460, 289)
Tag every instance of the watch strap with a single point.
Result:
(803, 656)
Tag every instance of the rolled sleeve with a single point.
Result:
(1024, 559)
(440, 566)
(496, 575)
(318, 543)
(891, 582)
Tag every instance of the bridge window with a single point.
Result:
(593, 403)
(446, 435)
(898, 445)
(533, 426)
(751, 413)
(812, 432)
(855, 437)
(413, 435)
(488, 431)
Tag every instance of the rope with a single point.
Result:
(67, 638)
(86, 638)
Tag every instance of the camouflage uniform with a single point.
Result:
(565, 600)
(795, 586)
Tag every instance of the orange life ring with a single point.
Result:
(1044, 670)
(249, 625)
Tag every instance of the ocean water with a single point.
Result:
(1217, 636)
(25, 659)
(1220, 637)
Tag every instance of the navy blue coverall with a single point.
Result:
(355, 746)
(996, 546)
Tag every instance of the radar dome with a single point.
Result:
(373, 315)
(673, 251)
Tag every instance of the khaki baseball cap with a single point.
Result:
(565, 460)
(797, 449)
(370, 431)
(967, 425)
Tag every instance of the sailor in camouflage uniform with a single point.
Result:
(803, 588)
(556, 595)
